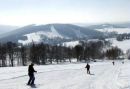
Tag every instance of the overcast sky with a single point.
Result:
(24, 12)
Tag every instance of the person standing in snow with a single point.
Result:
(113, 63)
(31, 74)
(88, 68)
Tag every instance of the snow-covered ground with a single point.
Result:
(38, 36)
(124, 45)
(74, 43)
(71, 43)
(69, 76)
(118, 30)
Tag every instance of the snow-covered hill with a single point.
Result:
(118, 30)
(38, 36)
(123, 45)
(44, 33)
(69, 76)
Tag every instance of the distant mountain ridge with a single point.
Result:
(110, 25)
(47, 32)
(6, 28)
(119, 28)
(102, 26)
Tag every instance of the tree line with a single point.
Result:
(12, 54)
(124, 36)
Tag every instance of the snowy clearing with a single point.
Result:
(71, 43)
(38, 36)
(124, 45)
(69, 76)
(118, 30)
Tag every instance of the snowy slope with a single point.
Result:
(48, 33)
(32, 37)
(54, 33)
(124, 45)
(69, 76)
(118, 30)
(71, 43)
(38, 36)
(74, 43)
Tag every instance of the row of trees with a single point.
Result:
(11, 54)
(122, 37)
(128, 53)
(114, 53)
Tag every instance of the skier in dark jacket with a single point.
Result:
(88, 68)
(113, 63)
(31, 74)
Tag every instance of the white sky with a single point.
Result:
(24, 12)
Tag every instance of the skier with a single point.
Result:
(31, 75)
(88, 68)
(113, 63)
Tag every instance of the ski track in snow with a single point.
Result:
(104, 76)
